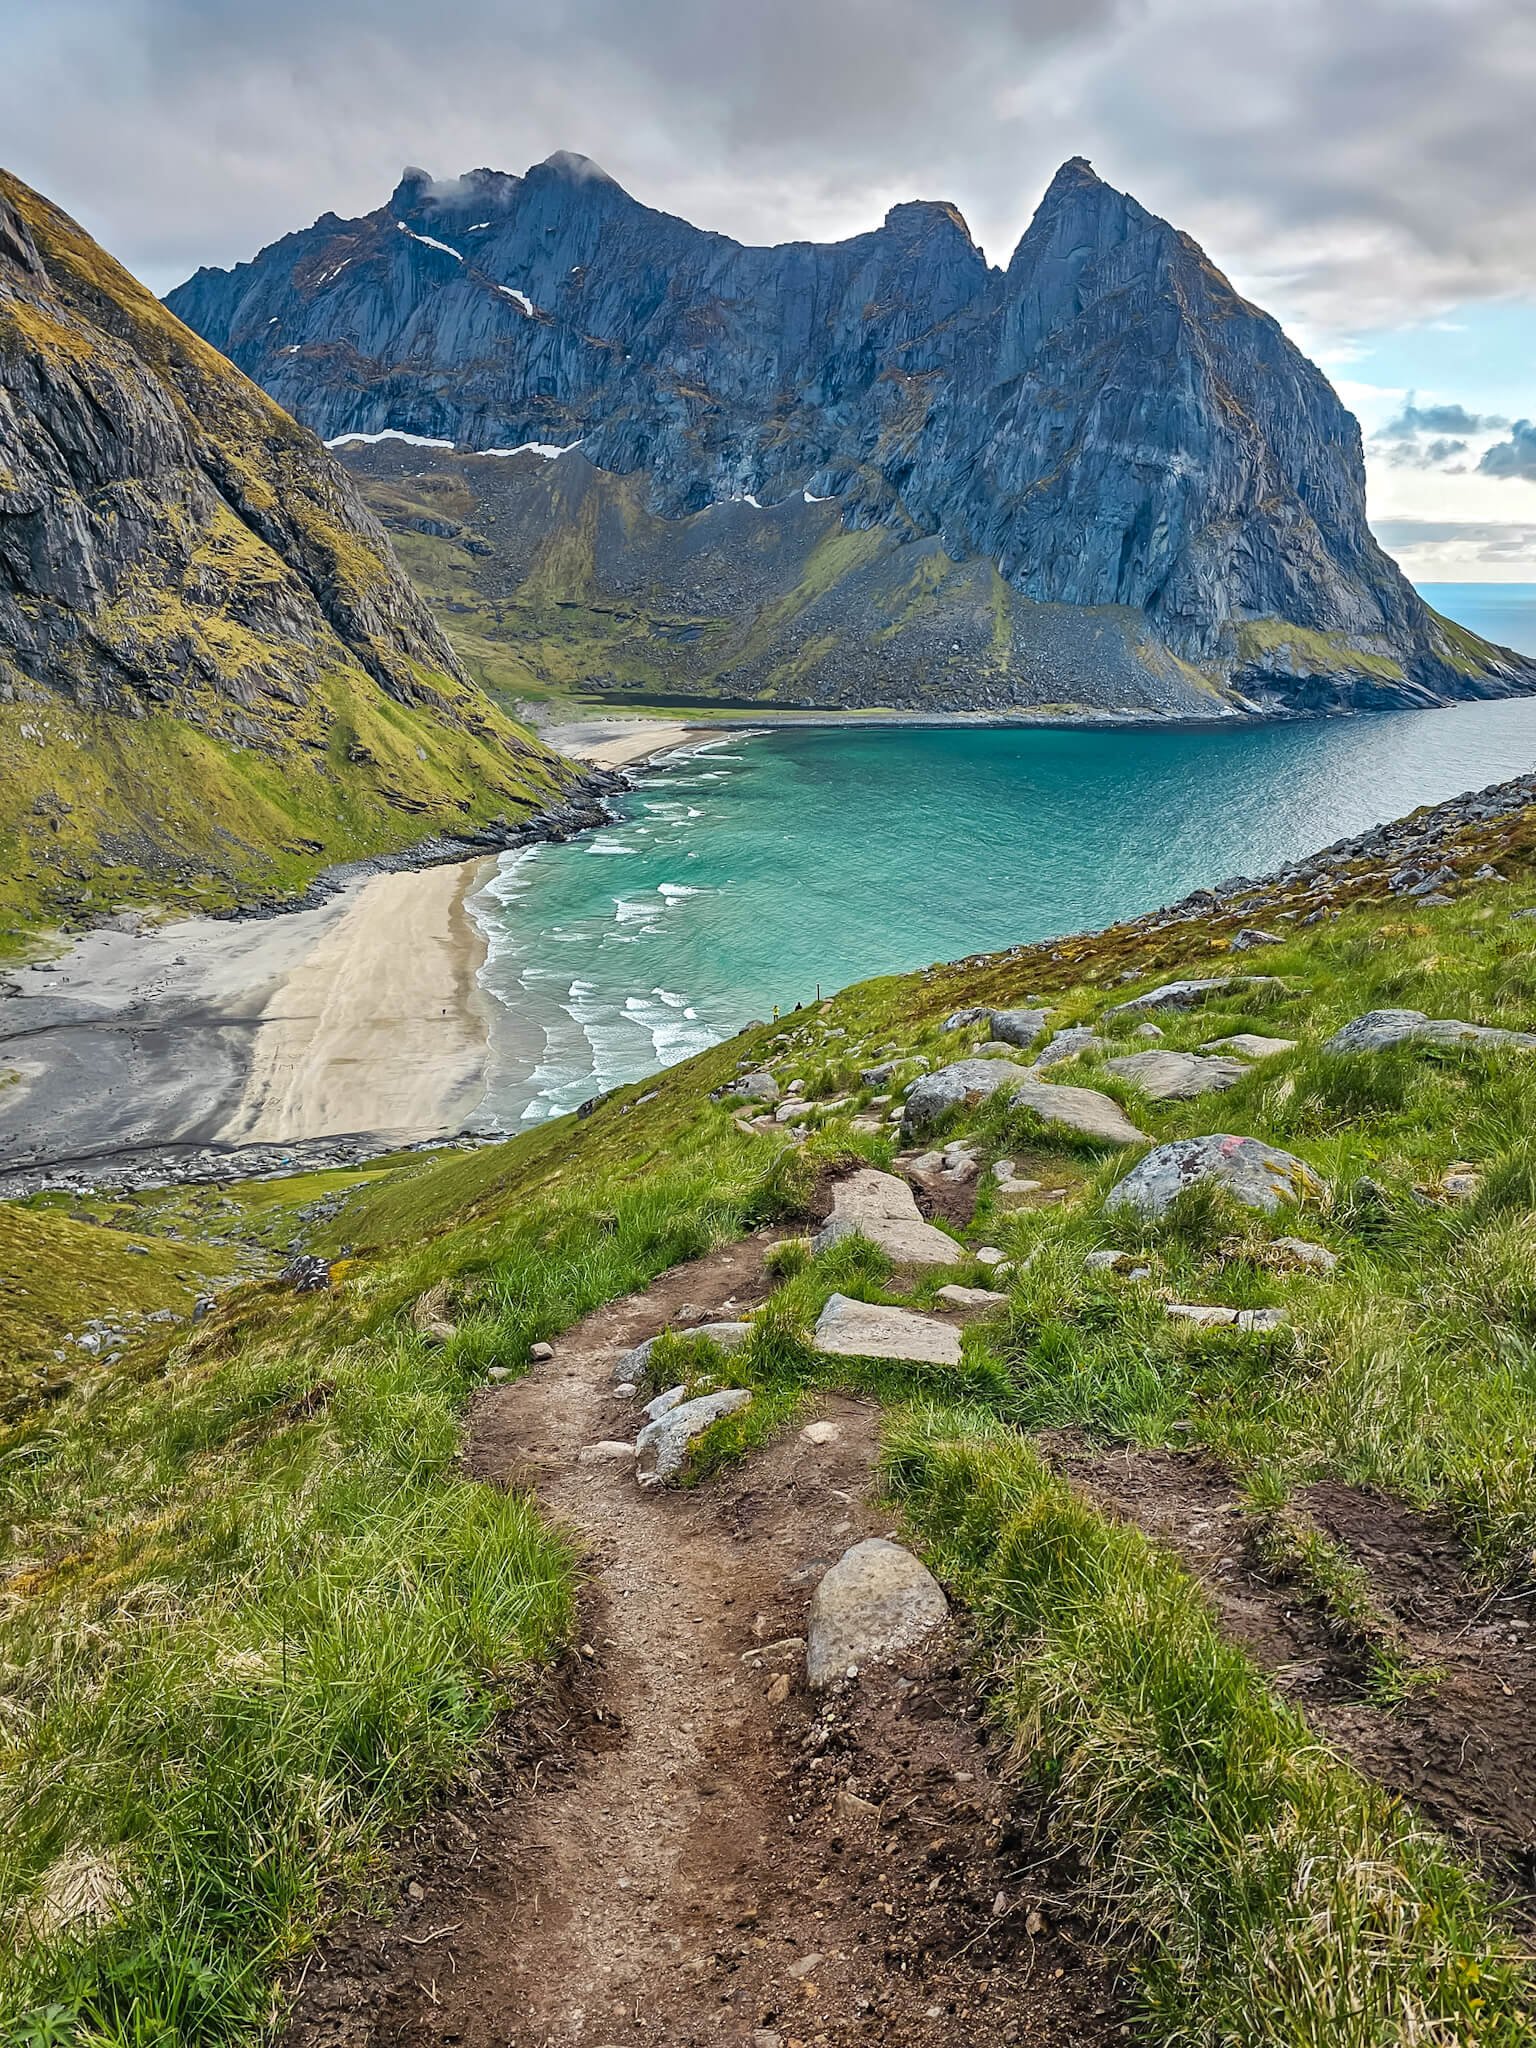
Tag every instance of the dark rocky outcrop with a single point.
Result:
(214, 676)
(1101, 459)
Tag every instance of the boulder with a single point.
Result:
(634, 1365)
(1169, 1076)
(1378, 1029)
(1245, 940)
(882, 1208)
(877, 1601)
(1190, 995)
(1083, 1110)
(961, 1020)
(868, 1329)
(663, 1444)
(1106, 1261)
(958, 1086)
(1251, 1045)
(1259, 1176)
(1067, 1044)
(1018, 1027)
(758, 1087)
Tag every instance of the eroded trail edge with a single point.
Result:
(686, 1847)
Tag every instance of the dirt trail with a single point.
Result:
(702, 1853)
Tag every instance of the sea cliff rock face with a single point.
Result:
(213, 672)
(1135, 453)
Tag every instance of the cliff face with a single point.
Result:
(1106, 420)
(213, 673)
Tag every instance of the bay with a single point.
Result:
(750, 871)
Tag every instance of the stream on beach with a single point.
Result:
(749, 870)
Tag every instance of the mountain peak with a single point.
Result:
(572, 165)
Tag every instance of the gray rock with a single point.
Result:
(663, 1444)
(1018, 1027)
(877, 1601)
(664, 1403)
(1067, 1044)
(1378, 1029)
(962, 1020)
(1305, 1253)
(1083, 1110)
(1259, 1176)
(1148, 1031)
(1249, 1319)
(1251, 1045)
(867, 1329)
(961, 1085)
(635, 1365)
(970, 1297)
(882, 1208)
(1191, 995)
(1106, 1261)
(1169, 1076)
(758, 1087)
(1250, 937)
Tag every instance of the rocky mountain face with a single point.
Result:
(213, 674)
(1135, 453)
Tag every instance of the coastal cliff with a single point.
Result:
(880, 470)
(214, 677)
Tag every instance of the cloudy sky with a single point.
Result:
(1366, 169)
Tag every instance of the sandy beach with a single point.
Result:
(617, 742)
(362, 1016)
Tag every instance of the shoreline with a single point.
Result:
(219, 1048)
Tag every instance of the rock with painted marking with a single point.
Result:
(883, 1208)
(958, 1086)
(1259, 1176)
(663, 1444)
(1082, 1110)
(868, 1329)
(1379, 1029)
(876, 1602)
(635, 1365)
(1168, 1076)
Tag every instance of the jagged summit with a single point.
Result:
(1106, 423)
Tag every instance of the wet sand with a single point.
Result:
(362, 1016)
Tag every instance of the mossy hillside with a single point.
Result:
(284, 1423)
(1309, 652)
(103, 811)
(235, 684)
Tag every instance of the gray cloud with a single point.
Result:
(1490, 540)
(1438, 419)
(1346, 164)
(1514, 457)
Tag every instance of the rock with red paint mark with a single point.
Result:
(1259, 1176)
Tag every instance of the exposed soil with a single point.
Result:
(1462, 1748)
(677, 1844)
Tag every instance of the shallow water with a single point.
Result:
(748, 872)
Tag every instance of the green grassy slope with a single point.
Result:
(203, 1539)
(214, 678)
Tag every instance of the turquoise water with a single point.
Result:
(753, 869)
